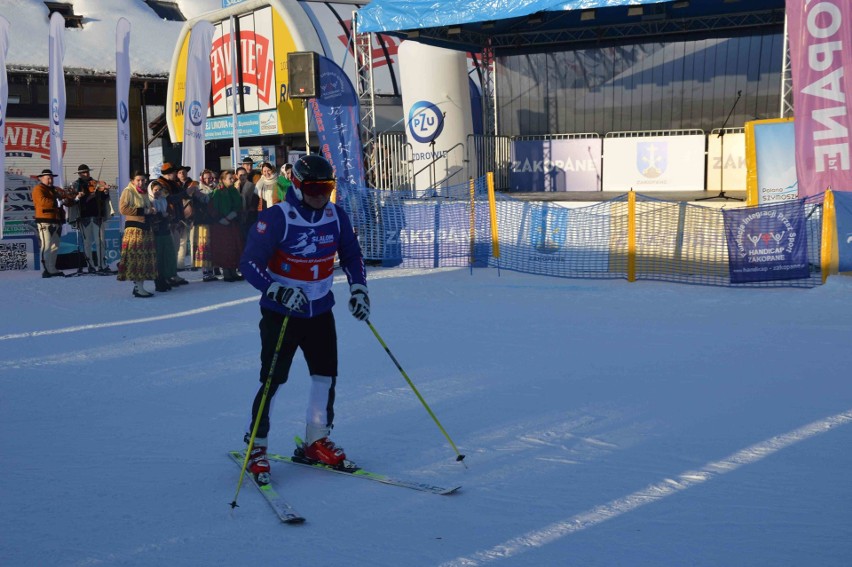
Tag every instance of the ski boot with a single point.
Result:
(323, 452)
(258, 464)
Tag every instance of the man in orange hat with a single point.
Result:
(49, 218)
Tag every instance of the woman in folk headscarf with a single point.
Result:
(226, 236)
(138, 252)
(201, 221)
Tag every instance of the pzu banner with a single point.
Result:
(767, 243)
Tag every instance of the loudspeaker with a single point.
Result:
(303, 74)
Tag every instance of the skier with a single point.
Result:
(297, 284)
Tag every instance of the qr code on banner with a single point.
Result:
(13, 256)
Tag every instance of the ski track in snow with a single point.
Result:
(650, 494)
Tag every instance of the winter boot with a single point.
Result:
(161, 285)
(258, 463)
(140, 291)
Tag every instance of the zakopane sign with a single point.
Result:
(820, 33)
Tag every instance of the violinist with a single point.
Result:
(93, 199)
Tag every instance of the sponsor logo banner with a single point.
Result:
(336, 114)
(556, 165)
(655, 163)
(820, 36)
(775, 152)
(767, 243)
(197, 95)
(56, 88)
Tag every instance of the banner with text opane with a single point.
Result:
(820, 36)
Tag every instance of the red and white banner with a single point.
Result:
(56, 87)
(256, 76)
(197, 98)
(122, 95)
(4, 98)
(820, 33)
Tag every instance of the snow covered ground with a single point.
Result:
(604, 423)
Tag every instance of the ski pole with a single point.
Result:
(260, 408)
(459, 457)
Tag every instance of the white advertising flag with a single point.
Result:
(56, 87)
(198, 82)
(4, 98)
(122, 94)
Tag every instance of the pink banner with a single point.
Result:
(820, 33)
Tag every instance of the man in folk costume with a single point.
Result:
(93, 201)
(289, 257)
(49, 218)
(184, 216)
(174, 194)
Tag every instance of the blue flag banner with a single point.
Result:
(843, 207)
(767, 243)
(336, 113)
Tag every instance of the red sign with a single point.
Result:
(256, 58)
(24, 139)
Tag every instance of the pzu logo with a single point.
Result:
(195, 113)
(425, 122)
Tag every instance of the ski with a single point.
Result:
(361, 473)
(285, 512)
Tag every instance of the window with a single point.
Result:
(67, 10)
(166, 10)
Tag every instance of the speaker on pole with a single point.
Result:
(303, 74)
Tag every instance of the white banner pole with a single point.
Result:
(4, 99)
(56, 82)
(198, 84)
(235, 158)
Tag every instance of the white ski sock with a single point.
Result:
(317, 415)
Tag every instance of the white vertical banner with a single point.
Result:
(4, 98)
(234, 91)
(198, 77)
(56, 87)
(122, 96)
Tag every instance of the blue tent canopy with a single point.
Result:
(519, 24)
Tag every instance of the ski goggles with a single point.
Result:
(317, 188)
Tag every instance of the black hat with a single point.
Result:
(46, 172)
(183, 168)
(83, 168)
(168, 168)
(247, 159)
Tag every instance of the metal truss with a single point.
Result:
(365, 90)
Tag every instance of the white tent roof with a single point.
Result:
(92, 48)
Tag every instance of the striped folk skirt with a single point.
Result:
(201, 245)
(138, 256)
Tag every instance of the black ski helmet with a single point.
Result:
(312, 168)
